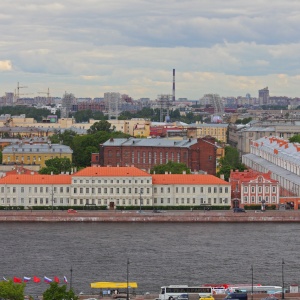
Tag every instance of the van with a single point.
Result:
(236, 296)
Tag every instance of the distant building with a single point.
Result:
(198, 154)
(263, 96)
(34, 154)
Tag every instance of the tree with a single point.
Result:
(12, 291)
(100, 126)
(295, 138)
(231, 161)
(170, 167)
(59, 293)
(56, 166)
(66, 138)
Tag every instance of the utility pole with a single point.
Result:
(251, 282)
(141, 192)
(282, 264)
(127, 294)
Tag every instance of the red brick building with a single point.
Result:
(198, 154)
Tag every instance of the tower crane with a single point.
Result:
(18, 90)
(48, 94)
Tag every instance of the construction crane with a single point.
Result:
(18, 90)
(47, 93)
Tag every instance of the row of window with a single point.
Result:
(194, 189)
(111, 190)
(111, 181)
(34, 158)
(260, 189)
(36, 189)
(252, 199)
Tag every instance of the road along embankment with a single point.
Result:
(147, 217)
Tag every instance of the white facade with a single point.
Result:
(112, 187)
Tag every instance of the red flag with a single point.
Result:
(56, 279)
(36, 279)
(17, 280)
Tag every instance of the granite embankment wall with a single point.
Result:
(144, 216)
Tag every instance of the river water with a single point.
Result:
(159, 254)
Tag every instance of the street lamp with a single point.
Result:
(127, 291)
(52, 194)
(141, 192)
(282, 265)
(251, 282)
(71, 271)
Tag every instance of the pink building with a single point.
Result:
(253, 188)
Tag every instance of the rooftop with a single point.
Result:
(37, 148)
(111, 172)
(35, 179)
(152, 142)
(187, 179)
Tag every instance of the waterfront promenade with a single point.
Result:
(149, 216)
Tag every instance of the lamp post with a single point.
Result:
(71, 271)
(282, 265)
(141, 192)
(251, 282)
(52, 194)
(127, 278)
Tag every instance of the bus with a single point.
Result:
(268, 289)
(173, 291)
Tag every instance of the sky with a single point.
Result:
(90, 47)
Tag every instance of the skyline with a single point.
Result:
(89, 47)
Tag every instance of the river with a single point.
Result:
(159, 254)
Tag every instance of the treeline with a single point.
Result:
(82, 145)
(37, 114)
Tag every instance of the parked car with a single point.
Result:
(238, 209)
(72, 211)
(183, 297)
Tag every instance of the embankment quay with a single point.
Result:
(258, 296)
(149, 216)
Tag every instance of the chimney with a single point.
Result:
(222, 176)
(183, 172)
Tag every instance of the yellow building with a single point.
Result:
(198, 130)
(34, 154)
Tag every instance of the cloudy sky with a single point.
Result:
(90, 47)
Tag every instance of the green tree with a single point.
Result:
(171, 167)
(66, 138)
(295, 138)
(12, 291)
(102, 125)
(56, 165)
(59, 293)
(231, 161)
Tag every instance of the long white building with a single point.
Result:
(113, 187)
(278, 156)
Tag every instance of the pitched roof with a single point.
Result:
(186, 179)
(36, 179)
(111, 171)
